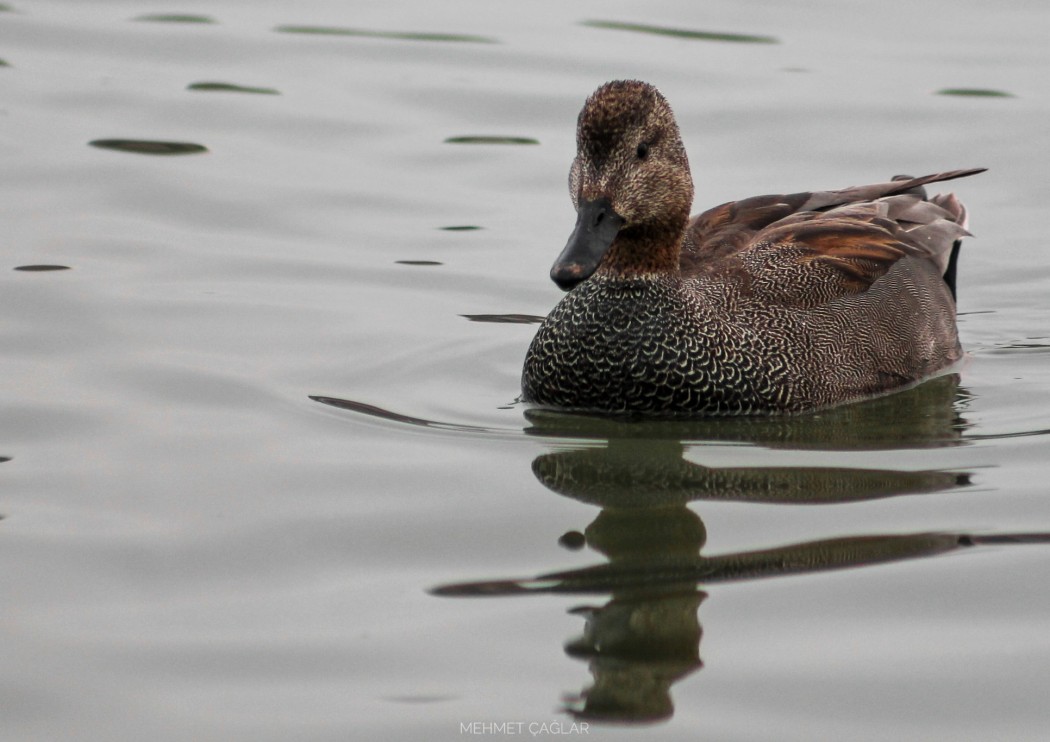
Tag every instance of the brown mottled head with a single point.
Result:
(630, 184)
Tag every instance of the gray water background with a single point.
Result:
(193, 548)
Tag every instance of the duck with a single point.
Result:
(776, 304)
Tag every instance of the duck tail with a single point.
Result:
(949, 274)
(953, 206)
(954, 212)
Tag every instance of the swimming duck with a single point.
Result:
(772, 304)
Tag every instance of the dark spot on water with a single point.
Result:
(976, 92)
(420, 699)
(3, 63)
(4, 458)
(418, 262)
(149, 147)
(491, 140)
(514, 319)
(461, 228)
(41, 268)
(5, 8)
(174, 18)
(682, 33)
(391, 35)
(229, 87)
(573, 540)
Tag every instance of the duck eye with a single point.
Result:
(643, 150)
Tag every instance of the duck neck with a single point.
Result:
(640, 252)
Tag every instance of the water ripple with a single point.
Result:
(812, 556)
(149, 147)
(229, 87)
(485, 139)
(41, 268)
(682, 33)
(174, 18)
(392, 35)
(976, 93)
(516, 319)
(383, 414)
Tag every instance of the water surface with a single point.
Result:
(260, 407)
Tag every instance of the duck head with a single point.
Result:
(630, 184)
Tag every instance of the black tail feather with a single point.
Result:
(949, 273)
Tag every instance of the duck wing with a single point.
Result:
(808, 248)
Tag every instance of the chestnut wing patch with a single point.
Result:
(811, 258)
(836, 226)
(731, 227)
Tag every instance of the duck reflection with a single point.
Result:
(636, 472)
(926, 416)
(646, 637)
